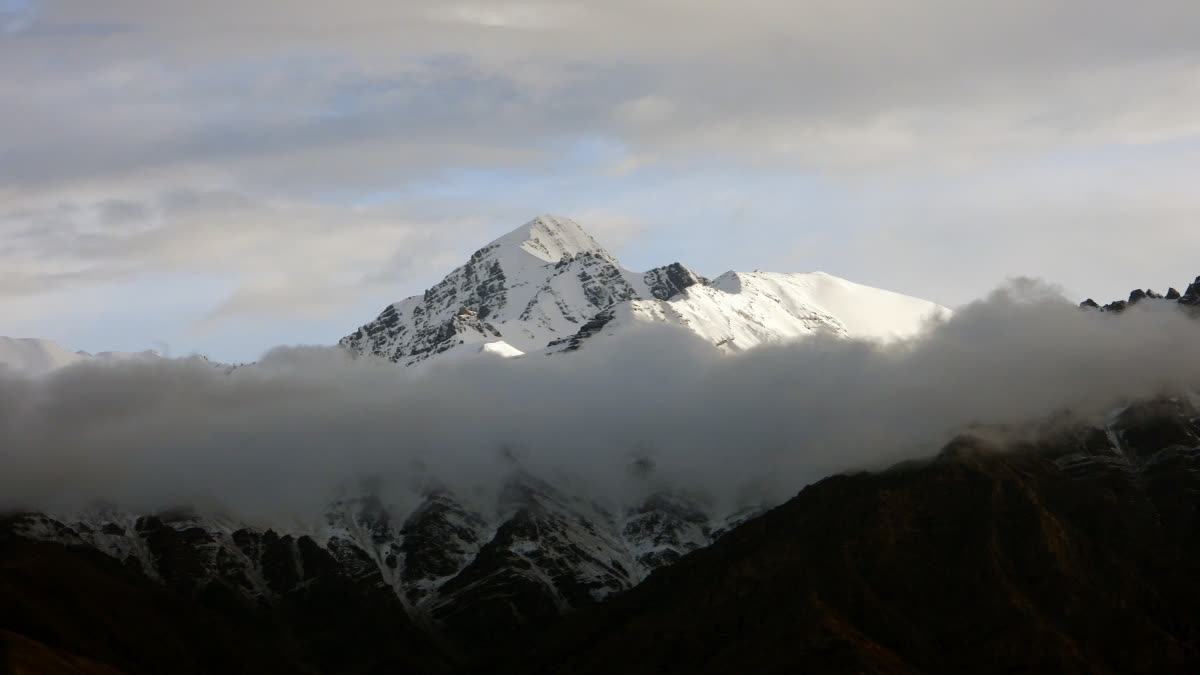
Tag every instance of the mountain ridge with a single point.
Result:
(1190, 298)
(1072, 552)
(549, 286)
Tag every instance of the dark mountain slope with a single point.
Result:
(979, 561)
(1078, 554)
(80, 606)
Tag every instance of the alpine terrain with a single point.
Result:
(548, 286)
(467, 575)
(1072, 553)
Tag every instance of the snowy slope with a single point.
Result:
(550, 286)
(35, 357)
(538, 552)
(536, 284)
(739, 311)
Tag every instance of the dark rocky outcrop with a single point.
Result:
(75, 604)
(1190, 298)
(593, 326)
(670, 280)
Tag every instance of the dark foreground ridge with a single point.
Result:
(980, 561)
(1079, 553)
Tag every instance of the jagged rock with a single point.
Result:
(1191, 297)
(666, 282)
(440, 538)
(1115, 306)
(587, 330)
(548, 286)
(667, 527)
(445, 564)
(531, 287)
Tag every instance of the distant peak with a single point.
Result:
(1190, 298)
(551, 238)
(552, 221)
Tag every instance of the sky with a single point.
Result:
(224, 177)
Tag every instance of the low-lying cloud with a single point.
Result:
(646, 410)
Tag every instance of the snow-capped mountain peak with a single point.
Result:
(550, 286)
(550, 239)
(536, 285)
(742, 310)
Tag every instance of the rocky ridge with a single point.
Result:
(533, 286)
(1189, 298)
(1077, 552)
(454, 570)
(549, 287)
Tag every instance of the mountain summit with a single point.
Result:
(550, 286)
(539, 283)
(551, 239)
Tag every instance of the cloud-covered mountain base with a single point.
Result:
(989, 559)
(644, 412)
(1075, 553)
(473, 503)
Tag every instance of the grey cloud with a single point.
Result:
(116, 212)
(280, 439)
(813, 83)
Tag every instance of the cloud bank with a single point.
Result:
(372, 89)
(280, 439)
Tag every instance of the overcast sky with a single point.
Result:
(225, 176)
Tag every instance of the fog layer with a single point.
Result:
(646, 410)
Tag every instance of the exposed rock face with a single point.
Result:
(438, 540)
(548, 286)
(669, 527)
(100, 614)
(667, 282)
(587, 330)
(467, 577)
(1079, 554)
(1189, 298)
(533, 286)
